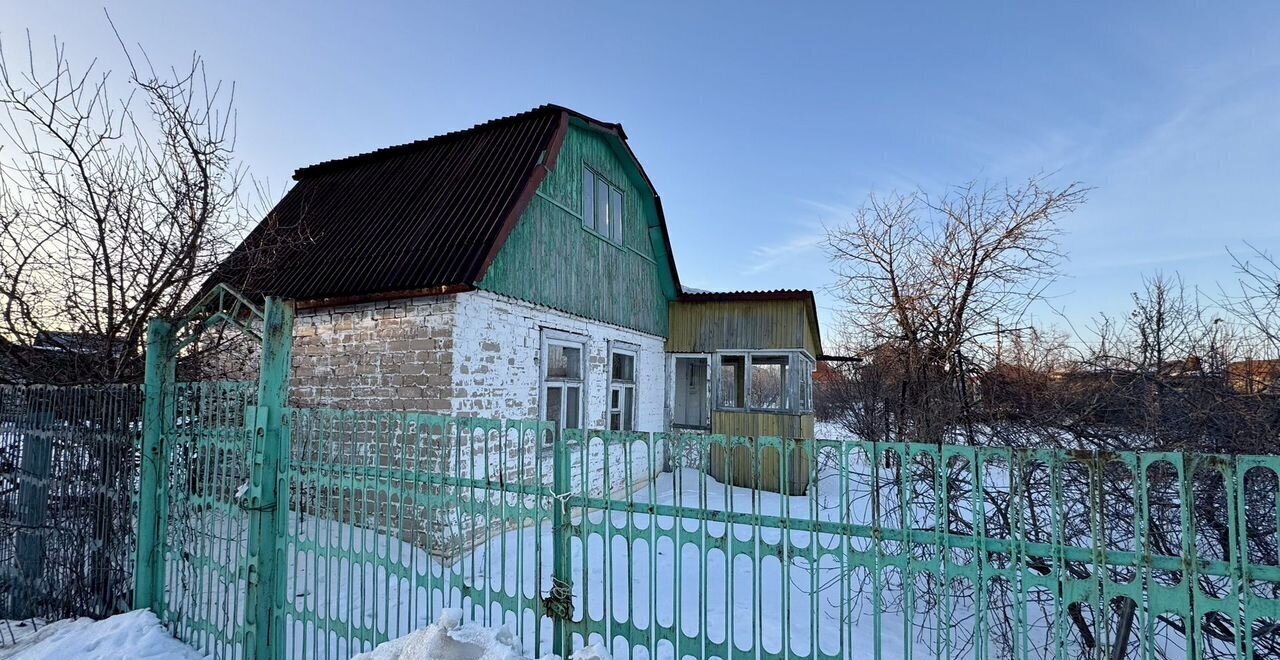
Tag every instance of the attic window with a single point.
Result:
(601, 206)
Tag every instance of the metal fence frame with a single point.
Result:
(377, 476)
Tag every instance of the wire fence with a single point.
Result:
(68, 474)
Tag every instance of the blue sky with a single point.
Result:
(762, 123)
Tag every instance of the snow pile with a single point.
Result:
(136, 634)
(451, 639)
(591, 652)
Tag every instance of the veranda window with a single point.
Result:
(764, 381)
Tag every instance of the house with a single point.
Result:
(60, 358)
(520, 269)
(1253, 376)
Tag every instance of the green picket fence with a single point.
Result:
(893, 551)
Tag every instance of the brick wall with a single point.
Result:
(474, 354)
(395, 355)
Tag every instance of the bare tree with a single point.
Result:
(118, 197)
(929, 281)
(1256, 298)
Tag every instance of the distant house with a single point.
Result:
(520, 269)
(1254, 376)
(58, 358)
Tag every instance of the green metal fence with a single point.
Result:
(267, 532)
(894, 551)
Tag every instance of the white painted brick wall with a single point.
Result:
(473, 354)
(496, 362)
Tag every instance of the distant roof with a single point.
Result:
(695, 295)
(422, 216)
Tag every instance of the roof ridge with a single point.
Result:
(744, 296)
(397, 149)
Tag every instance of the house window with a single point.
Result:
(622, 387)
(732, 388)
(601, 206)
(764, 381)
(805, 376)
(562, 371)
(769, 382)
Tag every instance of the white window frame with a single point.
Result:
(715, 380)
(788, 384)
(568, 340)
(589, 220)
(632, 351)
(797, 390)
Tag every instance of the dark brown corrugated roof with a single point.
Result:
(427, 215)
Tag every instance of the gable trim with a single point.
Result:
(659, 238)
(550, 154)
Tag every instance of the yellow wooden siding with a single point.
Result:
(763, 471)
(757, 424)
(706, 327)
(760, 468)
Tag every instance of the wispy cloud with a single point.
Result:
(800, 246)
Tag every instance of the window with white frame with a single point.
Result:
(764, 381)
(622, 387)
(731, 381)
(601, 205)
(808, 366)
(563, 366)
(769, 382)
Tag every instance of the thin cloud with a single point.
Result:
(769, 257)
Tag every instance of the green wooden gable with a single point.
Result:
(551, 259)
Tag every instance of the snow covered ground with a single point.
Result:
(449, 638)
(349, 587)
(136, 634)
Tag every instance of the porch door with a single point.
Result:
(691, 409)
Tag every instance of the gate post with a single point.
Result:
(149, 561)
(559, 603)
(268, 515)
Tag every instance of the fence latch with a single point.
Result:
(558, 604)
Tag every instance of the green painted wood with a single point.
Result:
(551, 259)
(149, 564)
(265, 584)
